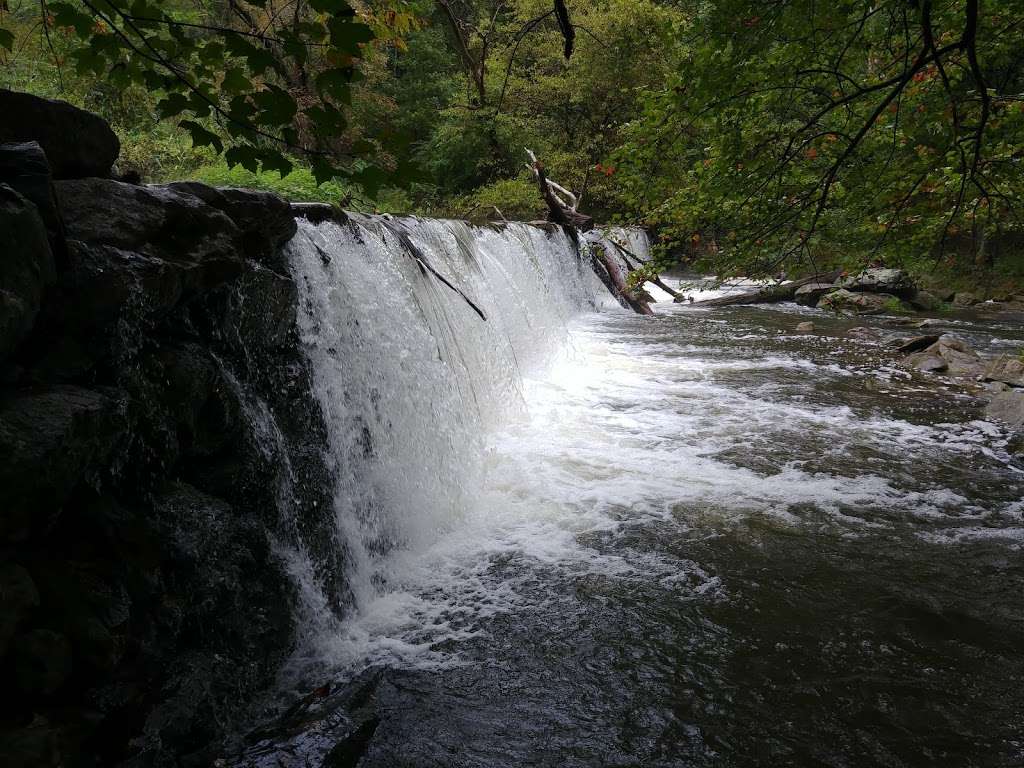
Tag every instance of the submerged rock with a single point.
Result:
(77, 143)
(805, 327)
(862, 332)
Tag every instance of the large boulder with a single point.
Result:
(50, 442)
(1008, 370)
(25, 169)
(155, 222)
(848, 302)
(880, 280)
(947, 355)
(809, 295)
(1008, 408)
(265, 220)
(26, 268)
(77, 143)
(925, 301)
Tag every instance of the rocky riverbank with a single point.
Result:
(921, 344)
(159, 451)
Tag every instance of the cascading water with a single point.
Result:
(411, 374)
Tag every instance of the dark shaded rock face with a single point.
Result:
(24, 168)
(77, 143)
(25, 268)
(159, 449)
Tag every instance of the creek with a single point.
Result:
(574, 536)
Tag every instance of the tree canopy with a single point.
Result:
(752, 136)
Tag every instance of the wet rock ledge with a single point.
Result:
(159, 449)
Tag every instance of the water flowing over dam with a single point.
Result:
(570, 535)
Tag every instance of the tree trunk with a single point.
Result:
(622, 290)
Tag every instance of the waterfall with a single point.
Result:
(419, 333)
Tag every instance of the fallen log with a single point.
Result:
(769, 294)
(620, 289)
(628, 256)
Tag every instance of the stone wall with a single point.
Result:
(159, 449)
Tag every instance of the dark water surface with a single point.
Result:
(708, 541)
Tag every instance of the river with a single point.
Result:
(697, 539)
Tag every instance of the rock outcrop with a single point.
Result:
(77, 143)
(155, 417)
(947, 354)
(848, 302)
(895, 282)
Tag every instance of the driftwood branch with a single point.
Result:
(560, 211)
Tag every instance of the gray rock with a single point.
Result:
(265, 220)
(1008, 408)
(965, 299)
(862, 332)
(155, 222)
(880, 280)
(805, 327)
(1006, 369)
(948, 354)
(51, 441)
(924, 301)
(928, 362)
(929, 322)
(26, 268)
(916, 344)
(42, 662)
(25, 169)
(809, 295)
(960, 359)
(317, 213)
(77, 143)
(848, 302)
(18, 595)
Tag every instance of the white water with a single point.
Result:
(476, 459)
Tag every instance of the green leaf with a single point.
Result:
(335, 83)
(235, 81)
(333, 7)
(173, 104)
(276, 106)
(6, 39)
(275, 161)
(243, 155)
(202, 137)
(347, 35)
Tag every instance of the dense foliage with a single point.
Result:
(795, 133)
(755, 136)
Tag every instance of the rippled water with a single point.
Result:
(700, 540)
